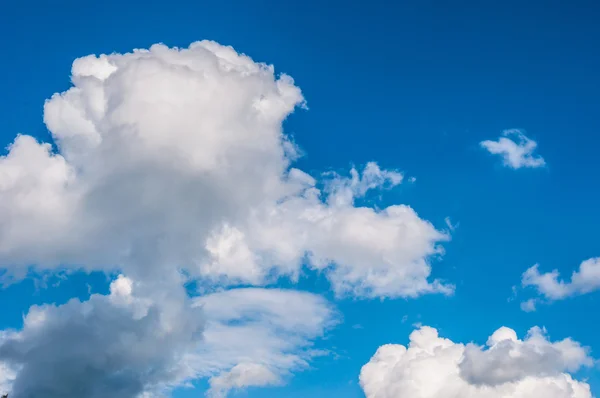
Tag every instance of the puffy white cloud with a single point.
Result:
(435, 367)
(257, 337)
(548, 284)
(517, 152)
(173, 159)
(510, 360)
(136, 341)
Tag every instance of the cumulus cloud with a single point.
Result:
(550, 286)
(134, 342)
(173, 159)
(516, 152)
(435, 367)
(120, 345)
(172, 162)
(509, 360)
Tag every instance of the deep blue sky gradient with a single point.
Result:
(414, 85)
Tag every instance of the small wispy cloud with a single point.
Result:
(552, 287)
(516, 150)
(451, 226)
(529, 305)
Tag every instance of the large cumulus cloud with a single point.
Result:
(171, 165)
(435, 367)
(176, 158)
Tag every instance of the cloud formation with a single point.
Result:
(258, 337)
(120, 345)
(516, 152)
(173, 159)
(172, 162)
(529, 305)
(435, 367)
(585, 280)
(135, 341)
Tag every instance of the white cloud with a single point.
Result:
(517, 152)
(241, 376)
(584, 280)
(434, 367)
(509, 360)
(529, 305)
(258, 337)
(136, 341)
(176, 159)
(450, 225)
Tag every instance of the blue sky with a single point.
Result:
(415, 86)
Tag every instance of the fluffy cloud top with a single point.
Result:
(173, 159)
(548, 284)
(517, 152)
(136, 341)
(174, 162)
(434, 367)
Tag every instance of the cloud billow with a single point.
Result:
(176, 159)
(174, 162)
(435, 367)
(137, 342)
(119, 345)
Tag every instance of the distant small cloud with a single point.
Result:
(358, 326)
(529, 305)
(451, 227)
(552, 287)
(516, 152)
